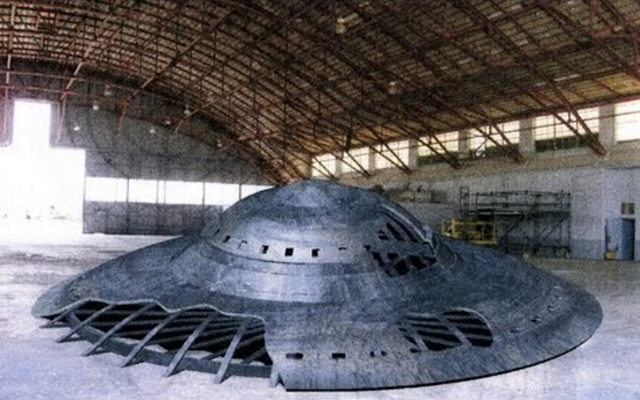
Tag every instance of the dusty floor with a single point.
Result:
(32, 366)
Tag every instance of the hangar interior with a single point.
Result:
(514, 124)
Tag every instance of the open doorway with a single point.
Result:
(627, 239)
(620, 238)
(41, 188)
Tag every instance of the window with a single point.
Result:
(143, 191)
(221, 194)
(548, 127)
(177, 192)
(627, 120)
(628, 209)
(479, 142)
(400, 148)
(323, 163)
(449, 141)
(359, 156)
(105, 189)
(511, 131)
(166, 192)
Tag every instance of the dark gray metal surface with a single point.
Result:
(351, 291)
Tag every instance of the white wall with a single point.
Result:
(596, 194)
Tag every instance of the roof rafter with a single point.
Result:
(508, 44)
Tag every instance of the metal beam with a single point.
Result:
(103, 38)
(85, 322)
(107, 335)
(158, 26)
(177, 58)
(508, 45)
(224, 365)
(175, 362)
(421, 57)
(147, 338)
(578, 31)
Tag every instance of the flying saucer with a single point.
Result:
(321, 286)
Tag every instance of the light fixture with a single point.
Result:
(108, 92)
(186, 111)
(152, 130)
(393, 88)
(341, 26)
(95, 106)
(76, 128)
(344, 22)
(167, 121)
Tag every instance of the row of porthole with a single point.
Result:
(335, 356)
(288, 251)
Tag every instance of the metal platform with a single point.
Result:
(526, 222)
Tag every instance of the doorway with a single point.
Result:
(627, 239)
(620, 238)
(41, 187)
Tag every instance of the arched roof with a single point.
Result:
(288, 80)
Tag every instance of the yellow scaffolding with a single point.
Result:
(474, 231)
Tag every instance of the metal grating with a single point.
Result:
(395, 264)
(448, 330)
(199, 339)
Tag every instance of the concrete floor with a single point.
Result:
(32, 366)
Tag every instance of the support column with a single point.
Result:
(464, 143)
(372, 160)
(368, 164)
(527, 143)
(412, 162)
(338, 171)
(6, 111)
(607, 126)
